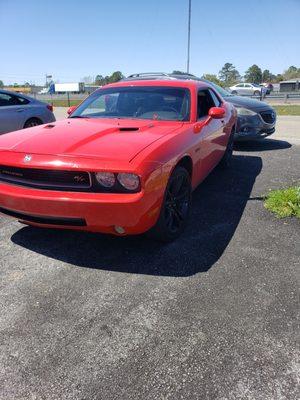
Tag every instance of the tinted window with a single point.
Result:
(5, 99)
(11, 100)
(21, 100)
(216, 99)
(205, 103)
(220, 90)
(149, 102)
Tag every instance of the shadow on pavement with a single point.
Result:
(218, 205)
(262, 145)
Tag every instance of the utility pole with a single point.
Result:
(189, 38)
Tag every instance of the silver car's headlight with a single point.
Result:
(245, 112)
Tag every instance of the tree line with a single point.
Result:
(226, 77)
(229, 75)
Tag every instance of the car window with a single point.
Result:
(219, 90)
(7, 100)
(247, 85)
(21, 100)
(205, 103)
(240, 85)
(215, 98)
(161, 103)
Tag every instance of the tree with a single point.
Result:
(278, 78)
(99, 80)
(229, 75)
(87, 80)
(267, 76)
(176, 72)
(213, 78)
(253, 74)
(1, 84)
(292, 72)
(116, 76)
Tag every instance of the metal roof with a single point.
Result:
(291, 80)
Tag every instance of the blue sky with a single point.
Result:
(71, 39)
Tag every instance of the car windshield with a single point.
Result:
(140, 102)
(220, 90)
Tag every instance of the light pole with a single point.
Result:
(189, 38)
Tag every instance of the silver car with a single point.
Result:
(250, 89)
(18, 111)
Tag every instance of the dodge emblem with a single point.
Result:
(27, 158)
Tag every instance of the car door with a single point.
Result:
(12, 112)
(240, 88)
(212, 138)
(248, 89)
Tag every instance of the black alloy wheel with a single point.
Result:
(176, 207)
(227, 157)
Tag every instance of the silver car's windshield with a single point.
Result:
(141, 102)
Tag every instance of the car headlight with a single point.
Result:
(106, 179)
(121, 182)
(129, 181)
(245, 111)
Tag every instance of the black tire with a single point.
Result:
(256, 93)
(32, 122)
(227, 157)
(176, 207)
(234, 92)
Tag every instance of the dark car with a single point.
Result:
(256, 119)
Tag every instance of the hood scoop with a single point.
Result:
(128, 129)
(49, 126)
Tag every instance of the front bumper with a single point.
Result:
(252, 128)
(96, 212)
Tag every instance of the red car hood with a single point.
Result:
(108, 139)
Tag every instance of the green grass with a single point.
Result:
(284, 202)
(288, 109)
(63, 103)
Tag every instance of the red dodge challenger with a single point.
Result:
(124, 162)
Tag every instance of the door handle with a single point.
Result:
(20, 109)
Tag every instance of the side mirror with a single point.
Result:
(71, 110)
(216, 112)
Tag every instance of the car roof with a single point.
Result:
(16, 94)
(150, 81)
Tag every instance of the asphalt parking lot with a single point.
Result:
(212, 316)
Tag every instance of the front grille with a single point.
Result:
(268, 116)
(46, 179)
(44, 220)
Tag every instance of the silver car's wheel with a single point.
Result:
(32, 122)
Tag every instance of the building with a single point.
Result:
(292, 85)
